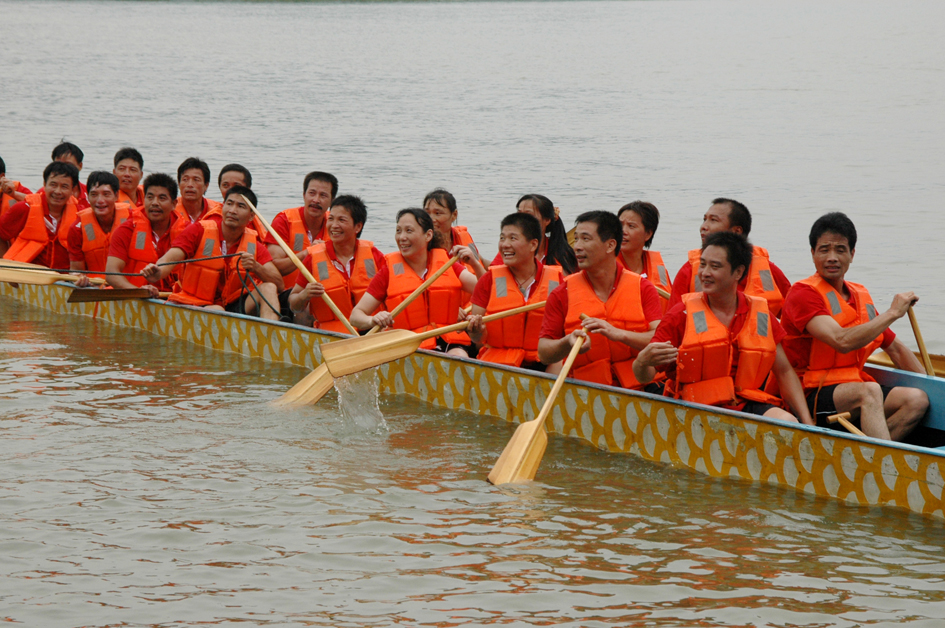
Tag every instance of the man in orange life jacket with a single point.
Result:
(248, 283)
(37, 229)
(11, 192)
(301, 227)
(193, 178)
(89, 237)
(235, 174)
(833, 327)
(719, 345)
(763, 278)
(343, 266)
(623, 309)
(129, 168)
(69, 153)
(144, 238)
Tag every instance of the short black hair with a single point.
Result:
(442, 197)
(129, 153)
(102, 177)
(738, 249)
(61, 168)
(738, 215)
(161, 180)
(355, 207)
(65, 148)
(527, 224)
(321, 176)
(194, 163)
(647, 213)
(235, 168)
(834, 222)
(3, 166)
(608, 226)
(245, 191)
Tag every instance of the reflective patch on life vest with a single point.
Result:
(698, 284)
(208, 247)
(664, 275)
(398, 268)
(763, 324)
(766, 282)
(501, 287)
(140, 239)
(251, 248)
(322, 270)
(369, 266)
(90, 232)
(698, 319)
(552, 284)
(834, 302)
(870, 311)
(299, 243)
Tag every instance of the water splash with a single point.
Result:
(357, 399)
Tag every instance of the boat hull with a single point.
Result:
(717, 443)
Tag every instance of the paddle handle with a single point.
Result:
(416, 293)
(662, 293)
(98, 281)
(433, 333)
(843, 419)
(926, 360)
(302, 269)
(559, 382)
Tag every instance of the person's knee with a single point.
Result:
(215, 308)
(917, 401)
(871, 393)
(781, 415)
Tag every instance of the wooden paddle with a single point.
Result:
(844, 419)
(345, 357)
(86, 295)
(313, 386)
(926, 360)
(37, 276)
(520, 458)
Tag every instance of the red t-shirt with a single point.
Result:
(75, 241)
(801, 305)
(552, 325)
(378, 286)
(380, 263)
(121, 240)
(483, 289)
(12, 223)
(683, 281)
(280, 224)
(190, 238)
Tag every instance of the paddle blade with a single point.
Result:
(318, 380)
(84, 295)
(520, 458)
(353, 355)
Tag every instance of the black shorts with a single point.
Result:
(238, 305)
(757, 407)
(442, 346)
(826, 406)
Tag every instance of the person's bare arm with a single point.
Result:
(903, 358)
(361, 314)
(633, 339)
(791, 389)
(117, 265)
(551, 350)
(477, 330)
(282, 261)
(652, 355)
(847, 339)
(154, 273)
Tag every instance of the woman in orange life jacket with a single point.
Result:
(441, 205)
(719, 345)
(553, 249)
(521, 279)
(419, 254)
(343, 267)
(90, 236)
(639, 221)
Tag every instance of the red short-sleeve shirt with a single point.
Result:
(12, 223)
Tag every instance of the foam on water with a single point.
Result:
(357, 400)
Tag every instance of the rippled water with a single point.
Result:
(146, 482)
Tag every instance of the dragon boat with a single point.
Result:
(719, 443)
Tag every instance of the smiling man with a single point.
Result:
(623, 308)
(69, 153)
(763, 279)
(247, 283)
(193, 179)
(144, 238)
(719, 345)
(833, 327)
(129, 168)
(90, 236)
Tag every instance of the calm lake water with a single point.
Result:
(148, 483)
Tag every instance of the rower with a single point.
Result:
(193, 179)
(640, 221)
(420, 253)
(833, 327)
(11, 192)
(90, 236)
(37, 229)
(235, 174)
(719, 345)
(248, 283)
(129, 168)
(521, 279)
(344, 266)
(69, 153)
(553, 248)
(301, 227)
(144, 238)
(623, 308)
(441, 205)
(763, 278)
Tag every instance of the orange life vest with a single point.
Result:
(141, 250)
(95, 241)
(514, 340)
(8, 200)
(124, 198)
(214, 281)
(706, 355)
(656, 273)
(461, 237)
(624, 310)
(437, 306)
(298, 239)
(827, 366)
(344, 292)
(183, 218)
(33, 238)
(255, 223)
(760, 280)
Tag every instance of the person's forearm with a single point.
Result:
(903, 358)
(643, 372)
(635, 340)
(4, 245)
(360, 319)
(551, 350)
(297, 301)
(271, 274)
(857, 337)
(791, 389)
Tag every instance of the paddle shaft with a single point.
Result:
(302, 269)
(433, 333)
(843, 419)
(926, 360)
(559, 382)
(416, 293)
(43, 272)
